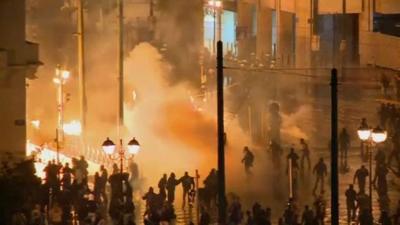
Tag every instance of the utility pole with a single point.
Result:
(334, 150)
(81, 68)
(121, 67)
(221, 142)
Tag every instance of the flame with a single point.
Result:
(73, 128)
(44, 154)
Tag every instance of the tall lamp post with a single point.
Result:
(122, 154)
(60, 78)
(371, 137)
(216, 6)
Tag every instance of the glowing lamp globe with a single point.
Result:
(133, 146)
(65, 74)
(364, 133)
(379, 135)
(108, 147)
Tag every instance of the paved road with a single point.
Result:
(354, 163)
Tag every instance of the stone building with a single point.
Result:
(18, 62)
(307, 33)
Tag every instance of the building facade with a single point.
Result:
(18, 62)
(307, 33)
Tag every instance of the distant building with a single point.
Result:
(18, 62)
(312, 33)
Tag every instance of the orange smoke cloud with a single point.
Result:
(193, 128)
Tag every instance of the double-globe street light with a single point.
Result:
(371, 137)
(122, 154)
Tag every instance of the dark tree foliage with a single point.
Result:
(19, 189)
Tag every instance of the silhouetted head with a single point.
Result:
(66, 164)
(246, 148)
(82, 157)
(186, 173)
(165, 175)
(362, 166)
(172, 175)
(351, 186)
(321, 159)
(151, 190)
(102, 167)
(301, 140)
(306, 207)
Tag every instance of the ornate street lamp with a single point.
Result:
(217, 8)
(109, 147)
(371, 137)
(60, 78)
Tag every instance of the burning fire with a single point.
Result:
(43, 154)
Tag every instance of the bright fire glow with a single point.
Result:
(73, 128)
(44, 154)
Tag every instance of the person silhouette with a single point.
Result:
(248, 160)
(320, 170)
(172, 182)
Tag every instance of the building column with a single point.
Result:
(264, 31)
(285, 38)
(244, 28)
(303, 33)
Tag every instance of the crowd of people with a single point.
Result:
(160, 206)
(67, 196)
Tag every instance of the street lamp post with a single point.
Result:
(371, 137)
(122, 154)
(216, 6)
(60, 79)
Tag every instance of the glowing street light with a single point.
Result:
(371, 137)
(133, 146)
(378, 135)
(216, 6)
(108, 146)
(61, 77)
(35, 124)
(132, 149)
(364, 133)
